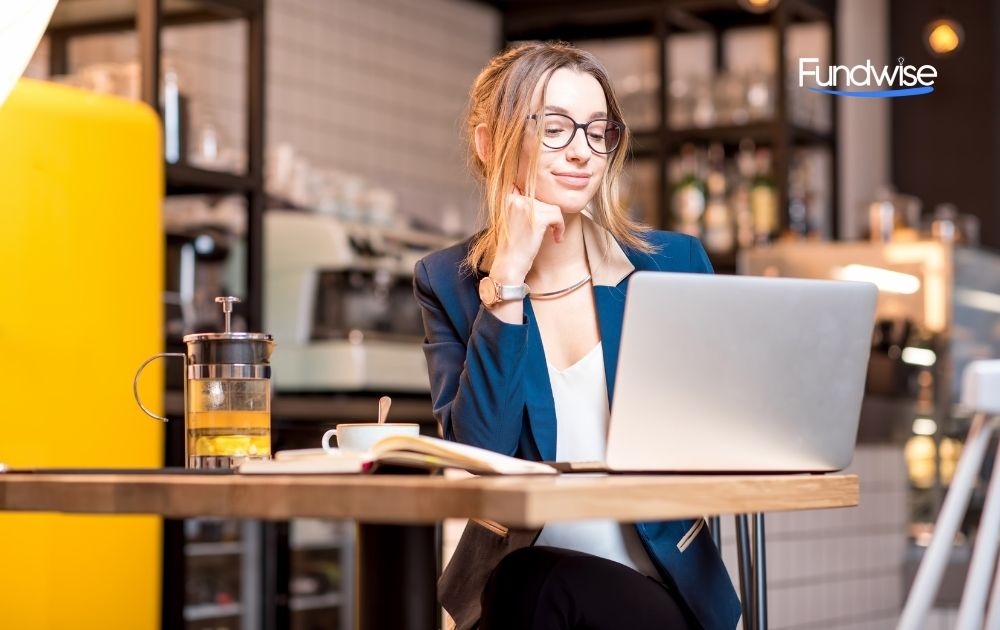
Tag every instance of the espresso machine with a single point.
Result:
(340, 297)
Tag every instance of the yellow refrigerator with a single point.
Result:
(81, 285)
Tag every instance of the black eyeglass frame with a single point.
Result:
(577, 126)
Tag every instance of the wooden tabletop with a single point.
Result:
(514, 501)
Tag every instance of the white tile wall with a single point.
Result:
(374, 87)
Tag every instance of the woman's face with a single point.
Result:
(567, 177)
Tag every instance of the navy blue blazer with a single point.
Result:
(490, 388)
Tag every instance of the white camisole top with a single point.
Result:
(582, 414)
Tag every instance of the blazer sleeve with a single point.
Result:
(699, 262)
(476, 383)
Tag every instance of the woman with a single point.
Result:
(534, 377)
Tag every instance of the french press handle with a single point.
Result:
(135, 381)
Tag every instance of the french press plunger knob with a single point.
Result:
(227, 307)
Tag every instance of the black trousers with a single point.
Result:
(546, 588)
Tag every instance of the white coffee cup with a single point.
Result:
(361, 436)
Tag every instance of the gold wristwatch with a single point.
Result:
(491, 292)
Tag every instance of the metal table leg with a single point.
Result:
(759, 573)
(753, 571)
(715, 526)
(745, 566)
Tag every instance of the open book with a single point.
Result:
(397, 450)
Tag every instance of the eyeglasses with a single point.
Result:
(558, 131)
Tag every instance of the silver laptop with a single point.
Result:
(727, 373)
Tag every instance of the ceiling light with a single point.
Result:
(943, 36)
(758, 6)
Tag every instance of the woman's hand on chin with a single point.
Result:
(527, 221)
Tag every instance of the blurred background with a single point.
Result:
(311, 152)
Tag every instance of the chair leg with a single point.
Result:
(993, 615)
(972, 609)
(745, 566)
(715, 525)
(935, 559)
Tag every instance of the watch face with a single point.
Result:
(488, 292)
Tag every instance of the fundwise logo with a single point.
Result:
(888, 81)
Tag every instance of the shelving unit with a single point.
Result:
(202, 612)
(148, 18)
(299, 603)
(213, 549)
(659, 20)
(313, 545)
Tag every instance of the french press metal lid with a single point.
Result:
(231, 355)
(218, 355)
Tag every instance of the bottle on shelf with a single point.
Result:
(173, 130)
(763, 199)
(740, 197)
(798, 210)
(718, 220)
(688, 198)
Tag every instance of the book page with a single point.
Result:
(458, 455)
(286, 462)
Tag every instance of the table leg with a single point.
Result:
(759, 573)
(744, 561)
(396, 577)
(715, 526)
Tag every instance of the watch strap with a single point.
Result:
(509, 292)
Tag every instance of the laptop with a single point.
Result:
(739, 374)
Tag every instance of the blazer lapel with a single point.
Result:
(610, 303)
(541, 405)
(610, 268)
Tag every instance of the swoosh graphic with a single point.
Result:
(877, 93)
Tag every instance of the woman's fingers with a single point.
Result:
(540, 215)
(556, 222)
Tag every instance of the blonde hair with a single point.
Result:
(501, 99)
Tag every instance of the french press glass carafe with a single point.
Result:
(227, 395)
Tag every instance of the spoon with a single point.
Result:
(383, 408)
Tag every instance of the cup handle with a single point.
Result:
(135, 381)
(326, 440)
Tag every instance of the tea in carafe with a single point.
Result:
(228, 419)
(230, 433)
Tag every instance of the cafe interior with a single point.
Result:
(300, 156)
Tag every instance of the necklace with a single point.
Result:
(552, 294)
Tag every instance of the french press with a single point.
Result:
(227, 395)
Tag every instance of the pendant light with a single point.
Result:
(943, 35)
(758, 6)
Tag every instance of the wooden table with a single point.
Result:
(402, 503)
